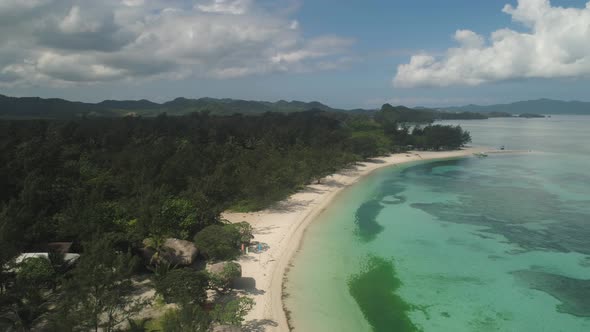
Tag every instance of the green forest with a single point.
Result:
(117, 186)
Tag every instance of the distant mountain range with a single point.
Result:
(52, 108)
(539, 106)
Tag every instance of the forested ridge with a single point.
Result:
(55, 108)
(115, 186)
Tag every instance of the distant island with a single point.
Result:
(530, 115)
(56, 108)
(539, 106)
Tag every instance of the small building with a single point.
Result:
(70, 259)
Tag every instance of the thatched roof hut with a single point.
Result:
(59, 247)
(180, 252)
(175, 251)
(69, 259)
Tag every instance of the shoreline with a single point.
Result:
(281, 229)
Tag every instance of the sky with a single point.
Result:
(345, 53)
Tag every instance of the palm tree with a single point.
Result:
(23, 313)
(157, 242)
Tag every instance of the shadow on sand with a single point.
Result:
(289, 206)
(258, 325)
(247, 285)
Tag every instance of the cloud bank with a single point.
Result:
(556, 44)
(65, 42)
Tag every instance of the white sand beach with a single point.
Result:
(281, 228)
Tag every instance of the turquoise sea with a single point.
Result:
(494, 244)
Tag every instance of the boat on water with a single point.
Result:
(480, 154)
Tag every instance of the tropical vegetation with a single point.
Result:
(118, 188)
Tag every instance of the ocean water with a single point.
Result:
(494, 244)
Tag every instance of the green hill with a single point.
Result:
(53, 108)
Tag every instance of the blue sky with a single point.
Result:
(344, 53)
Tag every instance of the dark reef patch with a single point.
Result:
(374, 291)
(430, 167)
(574, 182)
(390, 188)
(511, 201)
(397, 199)
(367, 226)
(446, 280)
(506, 210)
(574, 294)
(500, 207)
(585, 262)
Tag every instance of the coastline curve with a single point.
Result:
(283, 227)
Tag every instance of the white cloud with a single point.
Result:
(73, 23)
(315, 48)
(235, 7)
(469, 39)
(556, 44)
(19, 6)
(49, 42)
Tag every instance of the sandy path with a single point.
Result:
(281, 228)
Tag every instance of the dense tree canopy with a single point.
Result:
(68, 180)
(111, 183)
(97, 294)
(219, 242)
(183, 286)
